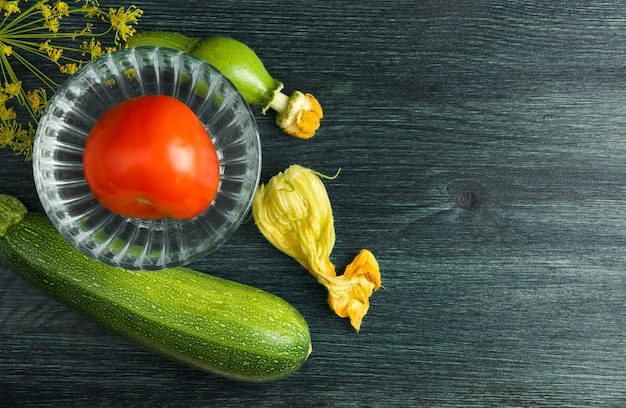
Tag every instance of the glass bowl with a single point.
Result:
(135, 243)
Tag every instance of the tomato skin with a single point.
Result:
(151, 157)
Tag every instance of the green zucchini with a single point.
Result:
(223, 327)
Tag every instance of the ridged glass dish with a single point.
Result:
(134, 243)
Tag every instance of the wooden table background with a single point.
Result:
(482, 147)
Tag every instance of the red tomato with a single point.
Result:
(151, 157)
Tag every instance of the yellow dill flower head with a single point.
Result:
(69, 68)
(52, 24)
(6, 114)
(12, 89)
(37, 99)
(10, 7)
(54, 53)
(42, 30)
(92, 48)
(12, 134)
(7, 50)
(122, 20)
(62, 8)
(294, 214)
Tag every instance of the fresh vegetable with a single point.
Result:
(151, 157)
(293, 212)
(66, 34)
(209, 323)
(298, 115)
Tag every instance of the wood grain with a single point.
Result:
(481, 145)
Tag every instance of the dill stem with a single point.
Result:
(49, 83)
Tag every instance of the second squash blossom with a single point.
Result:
(293, 212)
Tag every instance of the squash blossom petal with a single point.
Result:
(294, 214)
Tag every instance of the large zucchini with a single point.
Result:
(210, 323)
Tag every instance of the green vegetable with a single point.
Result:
(209, 323)
(232, 58)
(298, 115)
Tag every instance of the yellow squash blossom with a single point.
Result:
(293, 212)
(298, 115)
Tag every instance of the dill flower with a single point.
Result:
(33, 37)
(293, 212)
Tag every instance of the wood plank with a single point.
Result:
(481, 147)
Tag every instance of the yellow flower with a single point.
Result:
(19, 139)
(349, 294)
(293, 212)
(6, 50)
(7, 114)
(54, 53)
(301, 116)
(122, 21)
(69, 68)
(90, 8)
(62, 8)
(10, 7)
(45, 10)
(7, 134)
(52, 25)
(26, 37)
(12, 89)
(93, 48)
(37, 99)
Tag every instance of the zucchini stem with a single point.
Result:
(280, 102)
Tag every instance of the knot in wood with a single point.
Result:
(467, 200)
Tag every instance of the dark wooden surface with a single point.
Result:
(483, 155)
